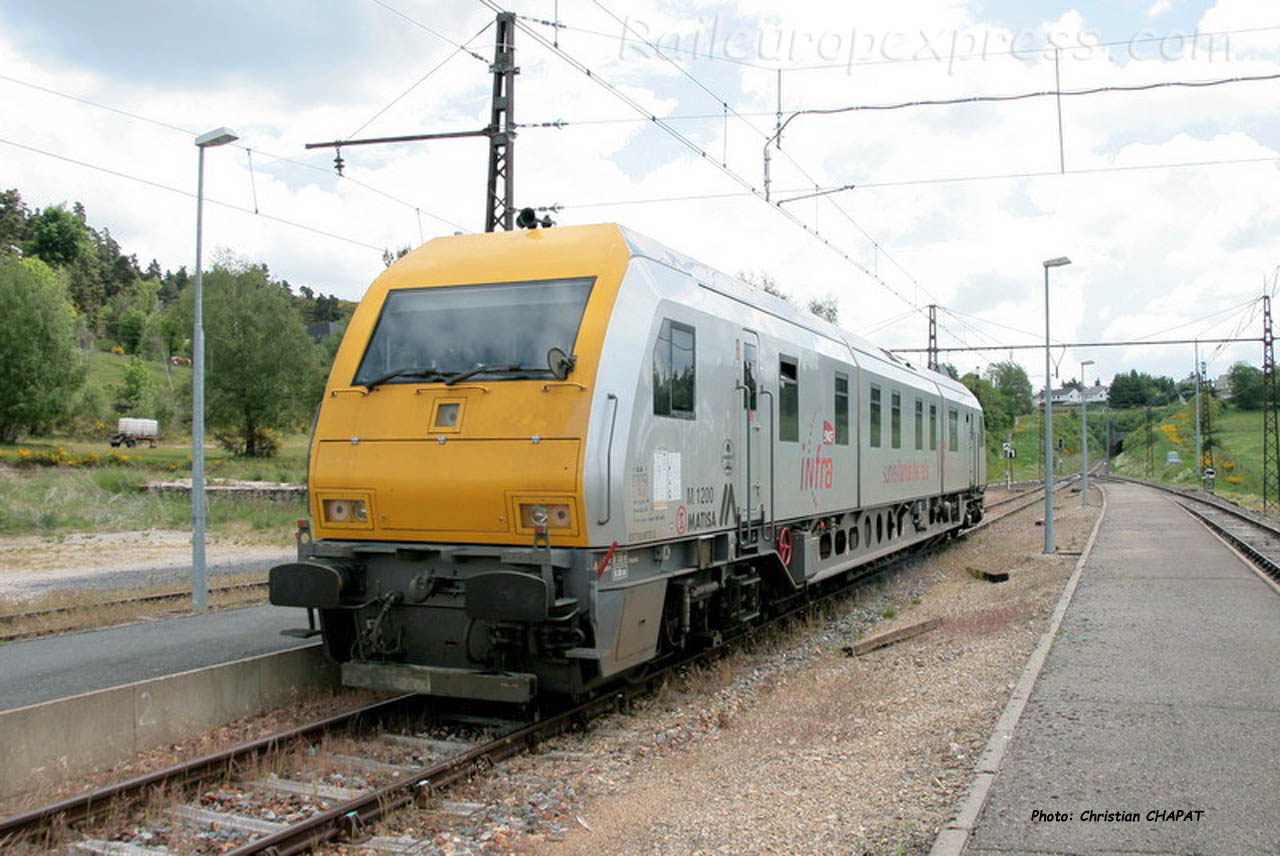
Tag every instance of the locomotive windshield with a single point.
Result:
(495, 331)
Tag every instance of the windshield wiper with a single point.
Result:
(407, 371)
(498, 369)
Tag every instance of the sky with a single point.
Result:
(1166, 200)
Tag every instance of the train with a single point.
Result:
(548, 459)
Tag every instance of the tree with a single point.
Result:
(57, 236)
(13, 221)
(765, 282)
(1012, 381)
(259, 360)
(137, 383)
(1138, 389)
(1246, 386)
(825, 308)
(40, 366)
(997, 409)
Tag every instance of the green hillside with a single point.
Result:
(1233, 444)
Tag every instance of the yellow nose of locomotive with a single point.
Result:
(451, 413)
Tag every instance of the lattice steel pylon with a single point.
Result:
(933, 337)
(1270, 429)
(499, 208)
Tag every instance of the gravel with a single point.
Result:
(789, 744)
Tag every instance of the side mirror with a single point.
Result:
(560, 363)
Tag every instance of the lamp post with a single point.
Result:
(199, 584)
(1084, 438)
(1048, 413)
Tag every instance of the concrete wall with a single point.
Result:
(45, 742)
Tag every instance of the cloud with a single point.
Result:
(1152, 248)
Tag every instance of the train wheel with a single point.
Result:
(785, 546)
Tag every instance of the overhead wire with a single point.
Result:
(260, 152)
(921, 55)
(459, 49)
(187, 193)
(945, 102)
(877, 248)
(691, 146)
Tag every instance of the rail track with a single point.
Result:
(333, 812)
(9, 619)
(1251, 534)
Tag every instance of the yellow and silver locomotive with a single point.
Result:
(547, 458)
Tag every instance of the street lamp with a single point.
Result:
(1084, 438)
(199, 584)
(1048, 413)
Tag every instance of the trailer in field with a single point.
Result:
(130, 431)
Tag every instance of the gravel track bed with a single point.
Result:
(788, 745)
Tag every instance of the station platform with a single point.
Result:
(60, 666)
(1153, 726)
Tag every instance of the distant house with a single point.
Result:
(1222, 387)
(1096, 394)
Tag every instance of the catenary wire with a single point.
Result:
(459, 49)
(187, 193)
(260, 152)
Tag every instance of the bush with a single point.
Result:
(266, 443)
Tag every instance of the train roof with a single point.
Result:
(647, 247)
(604, 240)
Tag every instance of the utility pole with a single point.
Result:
(499, 209)
(933, 337)
(1199, 446)
(1270, 429)
(502, 135)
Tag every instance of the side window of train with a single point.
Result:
(874, 433)
(895, 419)
(842, 409)
(788, 400)
(919, 425)
(673, 371)
(953, 429)
(933, 427)
(749, 375)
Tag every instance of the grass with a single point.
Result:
(58, 500)
(1237, 454)
(173, 460)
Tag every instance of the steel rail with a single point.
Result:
(37, 825)
(125, 601)
(354, 815)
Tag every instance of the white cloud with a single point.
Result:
(1151, 248)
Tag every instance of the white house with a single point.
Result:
(1096, 394)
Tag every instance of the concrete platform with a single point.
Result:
(1154, 725)
(60, 666)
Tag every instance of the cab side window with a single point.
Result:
(842, 409)
(874, 416)
(673, 371)
(788, 400)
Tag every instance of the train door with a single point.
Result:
(974, 447)
(753, 438)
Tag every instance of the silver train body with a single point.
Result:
(731, 450)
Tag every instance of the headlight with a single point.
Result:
(345, 510)
(553, 516)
